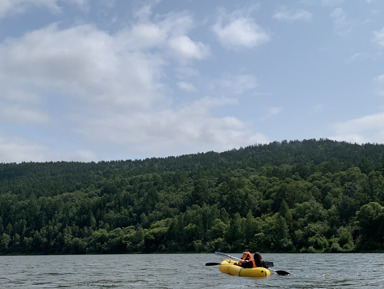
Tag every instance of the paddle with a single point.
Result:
(212, 264)
(280, 272)
(267, 263)
(226, 255)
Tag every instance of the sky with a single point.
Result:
(93, 80)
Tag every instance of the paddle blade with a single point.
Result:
(269, 264)
(212, 264)
(282, 273)
(221, 254)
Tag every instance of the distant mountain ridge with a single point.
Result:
(290, 196)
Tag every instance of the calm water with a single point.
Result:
(188, 271)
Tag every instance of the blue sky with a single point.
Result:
(86, 80)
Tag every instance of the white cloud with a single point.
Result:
(375, 121)
(175, 23)
(146, 35)
(272, 111)
(239, 84)
(20, 6)
(79, 61)
(106, 92)
(18, 105)
(24, 114)
(238, 30)
(186, 86)
(361, 130)
(331, 2)
(339, 16)
(378, 38)
(84, 5)
(286, 15)
(184, 47)
(19, 149)
(11, 7)
(81, 3)
(189, 129)
(379, 81)
(144, 12)
(79, 74)
(51, 53)
(357, 56)
(167, 33)
(341, 21)
(351, 138)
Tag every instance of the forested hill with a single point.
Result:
(299, 196)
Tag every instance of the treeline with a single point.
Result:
(298, 196)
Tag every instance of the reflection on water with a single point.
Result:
(188, 271)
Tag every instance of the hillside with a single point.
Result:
(298, 196)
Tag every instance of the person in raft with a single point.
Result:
(248, 262)
(259, 262)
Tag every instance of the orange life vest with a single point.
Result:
(247, 258)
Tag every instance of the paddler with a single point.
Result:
(246, 260)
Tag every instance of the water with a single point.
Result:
(188, 271)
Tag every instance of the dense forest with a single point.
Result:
(296, 196)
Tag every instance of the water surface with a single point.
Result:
(188, 271)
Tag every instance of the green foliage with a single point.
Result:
(308, 196)
(371, 226)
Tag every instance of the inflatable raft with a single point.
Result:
(229, 267)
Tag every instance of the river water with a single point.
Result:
(188, 271)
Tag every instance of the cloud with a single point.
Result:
(169, 33)
(237, 30)
(358, 56)
(81, 3)
(20, 6)
(332, 2)
(361, 130)
(24, 113)
(78, 61)
(378, 38)
(146, 35)
(18, 149)
(284, 14)
(90, 91)
(186, 86)
(188, 129)
(341, 22)
(23, 104)
(184, 47)
(272, 111)
(11, 7)
(379, 81)
(239, 84)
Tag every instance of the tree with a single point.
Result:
(370, 220)
(310, 196)
(235, 234)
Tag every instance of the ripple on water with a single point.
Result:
(188, 271)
